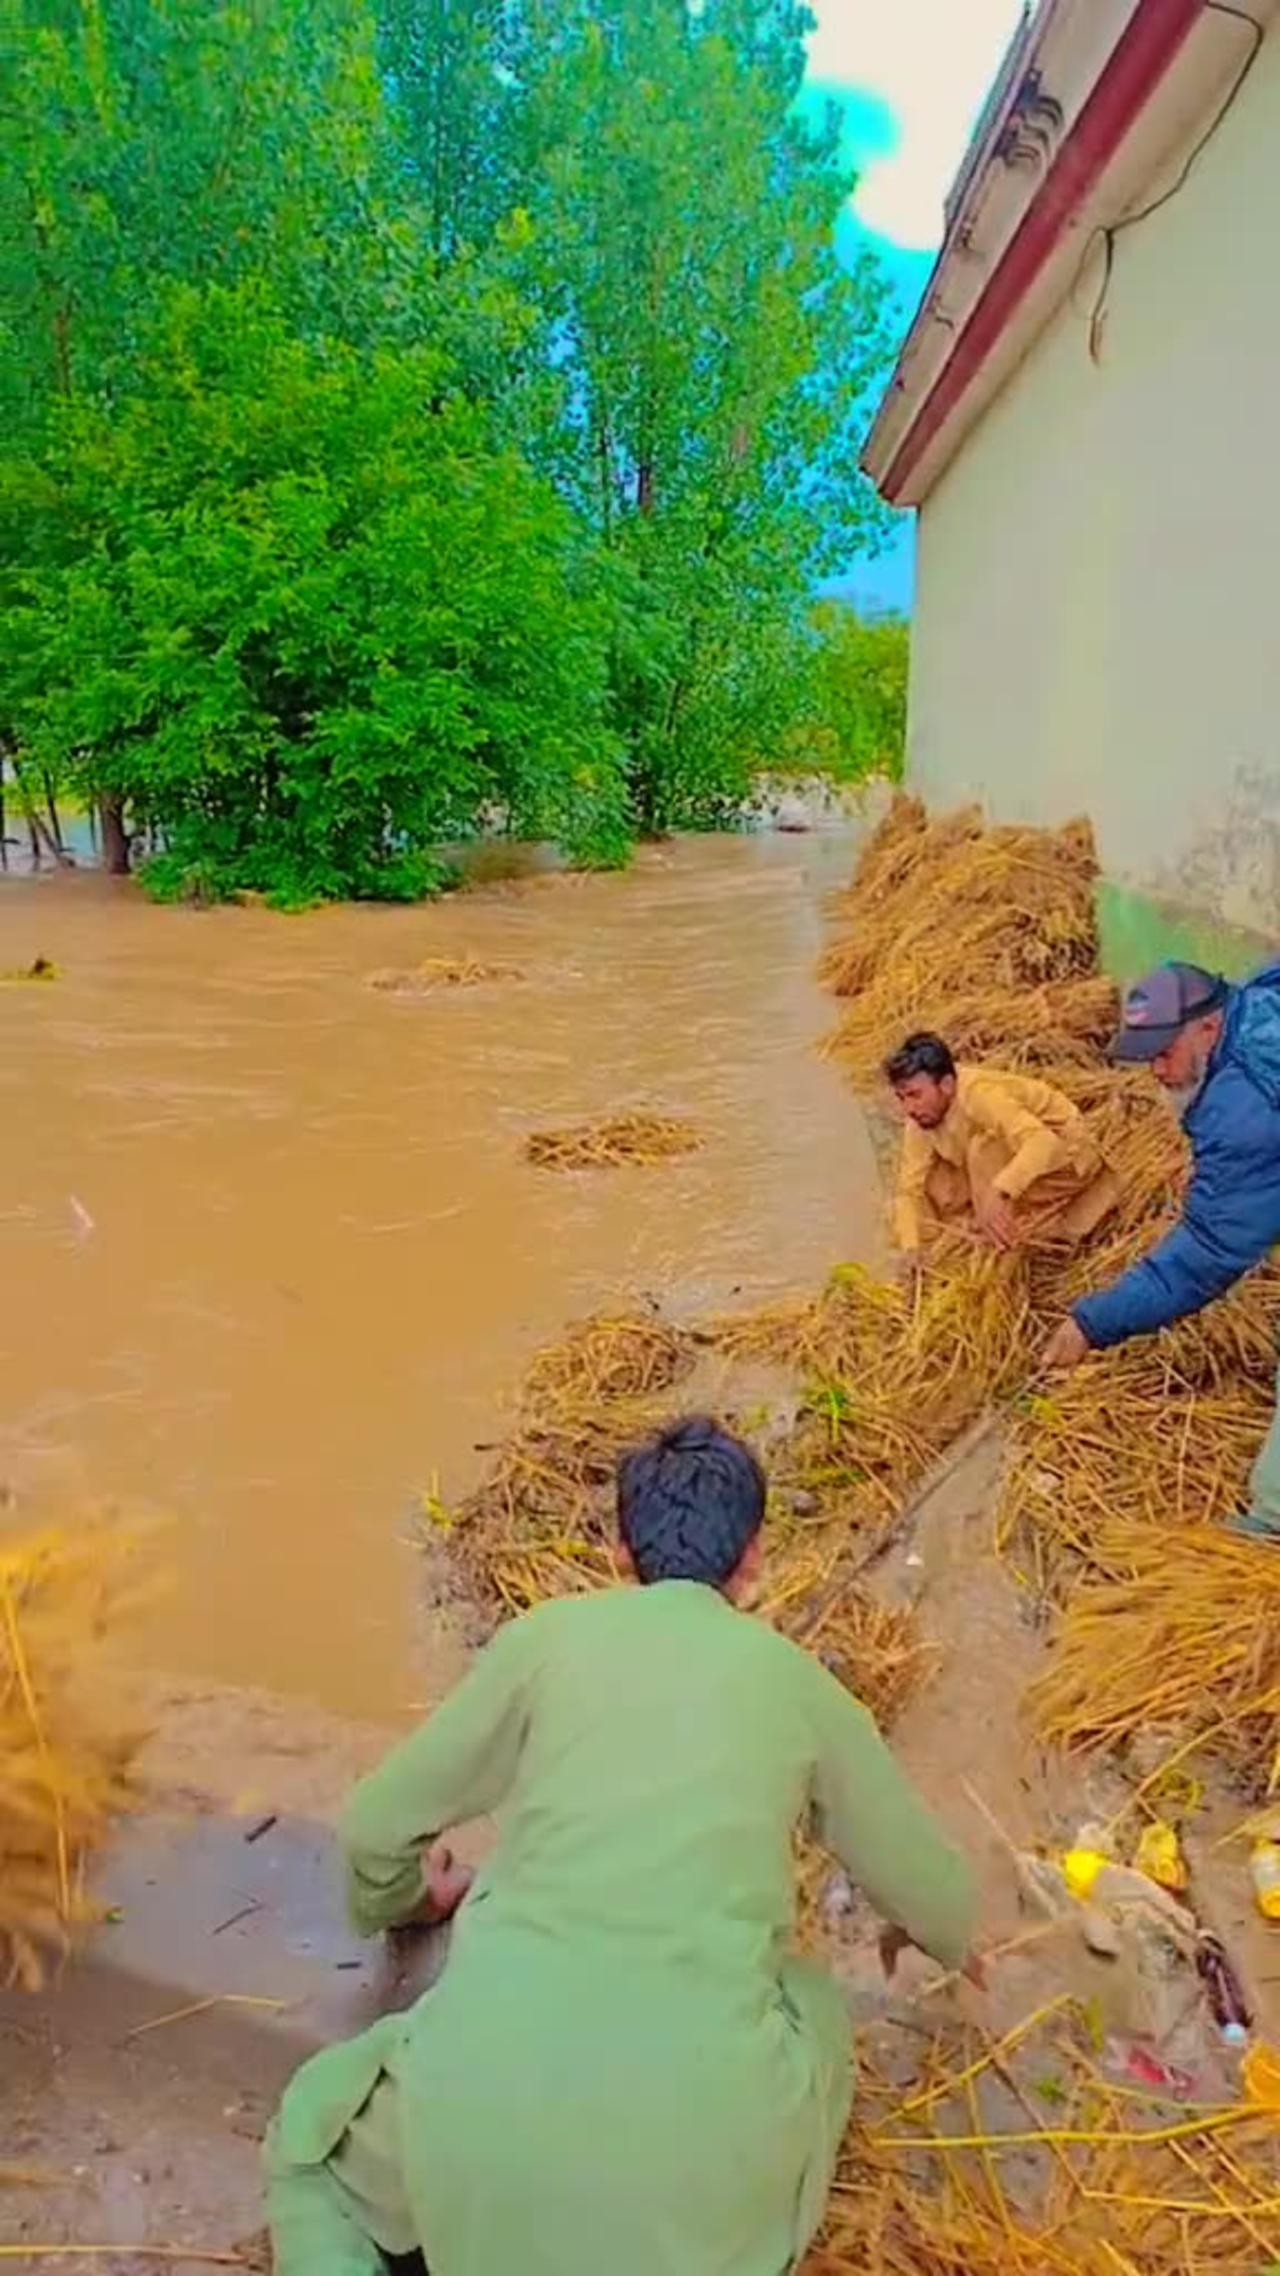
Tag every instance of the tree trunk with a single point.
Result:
(115, 838)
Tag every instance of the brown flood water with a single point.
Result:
(271, 1259)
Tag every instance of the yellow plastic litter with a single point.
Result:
(1265, 1870)
(1260, 2072)
(1160, 1858)
(1080, 1869)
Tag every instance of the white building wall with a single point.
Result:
(1098, 605)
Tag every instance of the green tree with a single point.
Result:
(713, 358)
(154, 141)
(302, 624)
(695, 374)
(562, 271)
(856, 722)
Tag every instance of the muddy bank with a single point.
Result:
(280, 1258)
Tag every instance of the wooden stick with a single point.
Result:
(170, 2252)
(947, 1463)
(201, 2007)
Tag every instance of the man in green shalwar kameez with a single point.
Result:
(623, 2067)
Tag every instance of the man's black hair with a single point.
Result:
(690, 1503)
(919, 1055)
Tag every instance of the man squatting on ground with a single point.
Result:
(1005, 1155)
(1216, 1050)
(623, 2066)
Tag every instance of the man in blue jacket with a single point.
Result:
(1216, 1049)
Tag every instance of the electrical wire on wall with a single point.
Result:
(1115, 229)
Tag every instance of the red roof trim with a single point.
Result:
(1139, 60)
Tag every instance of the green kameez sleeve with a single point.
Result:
(871, 1817)
(458, 1765)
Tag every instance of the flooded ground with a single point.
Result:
(271, 1257)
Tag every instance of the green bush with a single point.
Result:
(293, 603)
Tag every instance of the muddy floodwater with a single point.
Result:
(271, 1259)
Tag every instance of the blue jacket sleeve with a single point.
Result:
(1230, 1219)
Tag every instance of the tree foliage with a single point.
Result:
(856, 711)
(419, 415)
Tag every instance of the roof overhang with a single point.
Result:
(1093, 99)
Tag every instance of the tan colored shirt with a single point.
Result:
(1011, 1134)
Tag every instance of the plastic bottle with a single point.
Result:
(1160, 1858)
(1080, 1869)
(1264, 1865)
(1222, 1990)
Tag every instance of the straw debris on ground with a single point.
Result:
(65, 1745)
(1024, 2158)
(619, 1141)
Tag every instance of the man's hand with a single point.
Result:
(1066, 1347)
(996, 1219)
(445, 1884)
(895, 1941)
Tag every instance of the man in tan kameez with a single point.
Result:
(1006, 1155)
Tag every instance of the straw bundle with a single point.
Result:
(610, 1356)
(441, 972)
(875, 1650)
(40, 969)
(64, 1754)
(1179, 1630)
(541, 1521)
(621, 1140)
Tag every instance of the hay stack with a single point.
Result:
(986, 934)
(64, 1745)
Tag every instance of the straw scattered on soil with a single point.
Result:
(619, 1141)
(1178, 1630)
(65, 1748)
(1024, 2154)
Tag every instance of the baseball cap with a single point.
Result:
(1157, 1008)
